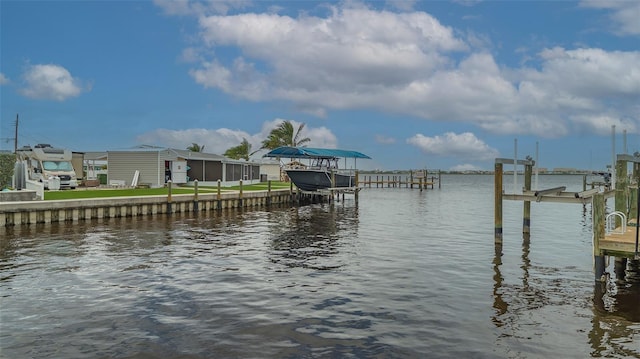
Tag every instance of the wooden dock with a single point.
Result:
(613, 234)
(415, 179)
(619, 243)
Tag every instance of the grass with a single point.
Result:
(124, 192)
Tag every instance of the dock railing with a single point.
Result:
(420, 179)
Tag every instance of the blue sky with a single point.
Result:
(446, 85)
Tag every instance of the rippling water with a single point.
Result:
(401, 274)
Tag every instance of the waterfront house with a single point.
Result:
(154, 166)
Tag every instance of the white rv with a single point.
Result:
(48, 165)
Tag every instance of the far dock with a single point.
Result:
(420, 179)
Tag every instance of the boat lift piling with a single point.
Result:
(613, 234)
(499, 194)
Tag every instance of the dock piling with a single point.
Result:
(526, 214)
(597, 208)
(195, 195)
(498, 203)
(218, 196)
(169, 209)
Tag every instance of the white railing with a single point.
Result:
(610, 223)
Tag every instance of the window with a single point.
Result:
(57, 166)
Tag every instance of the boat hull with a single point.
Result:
(313, 180)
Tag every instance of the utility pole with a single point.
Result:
(15, 140)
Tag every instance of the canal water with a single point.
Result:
(400, 274)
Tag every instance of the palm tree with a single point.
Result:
(241, 151)
(196, 147)
(285, 135)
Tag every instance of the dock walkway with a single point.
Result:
(619, 243)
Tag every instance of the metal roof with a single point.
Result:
(186, 154)
(306, 152)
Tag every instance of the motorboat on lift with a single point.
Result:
(323, 171)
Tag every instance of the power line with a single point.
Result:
(15, 138)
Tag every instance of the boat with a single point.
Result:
(323, 171)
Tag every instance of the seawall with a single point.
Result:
(34, 212)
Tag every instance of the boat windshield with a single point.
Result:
(57, 165)
(325, 163)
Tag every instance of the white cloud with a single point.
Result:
(219, 140)
(213, 75)
(3, 79)
(590, 73)
(624, 14)
(215, 141)
(409, 63)
(376, 49)
(601, 123)
(465, 146)
(50, 82)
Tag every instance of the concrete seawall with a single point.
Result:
(33, 212)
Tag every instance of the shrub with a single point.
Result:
(7, 162)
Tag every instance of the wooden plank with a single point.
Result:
(509, 161)
(551, 199)
(562, 197)
(620, 243)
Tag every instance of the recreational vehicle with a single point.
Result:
(48, 165)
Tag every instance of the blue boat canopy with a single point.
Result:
(306, 152)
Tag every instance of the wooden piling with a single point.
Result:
(633, 192)
(195, 195)
(219, 195)
(619, 267)
(498, 203)
(526, 216)
(598, 210)
(621, 189)
(357, 190)
(169, 206)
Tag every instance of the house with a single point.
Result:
(157, 165)
(269, 169)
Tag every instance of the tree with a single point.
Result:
(285, 135)
(196, 147)
(241, 151)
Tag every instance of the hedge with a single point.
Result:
(7, 162)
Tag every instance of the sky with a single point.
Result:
(413, 84)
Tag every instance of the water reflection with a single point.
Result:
(310, 236)
(616, 308)
(620, 295)
(501, 307)
(525, 291)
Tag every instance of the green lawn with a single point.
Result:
(98, 193)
